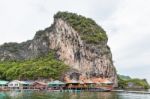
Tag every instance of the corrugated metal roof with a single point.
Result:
(27, 82)
(56, 82)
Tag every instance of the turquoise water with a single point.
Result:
(71, 95)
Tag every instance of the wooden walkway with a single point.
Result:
(21, 90)
(137, 92)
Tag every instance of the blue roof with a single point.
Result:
(27, 82)
(2, 82)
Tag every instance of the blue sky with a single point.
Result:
(126, 22)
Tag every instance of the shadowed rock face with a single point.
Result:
(90, 60)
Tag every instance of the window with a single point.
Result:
(16, 84)
(10, 84)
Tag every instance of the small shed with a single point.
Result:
(89, 83)
(3, 84)
(72, 84)
(27, 84)
(56, 84)
(39, 85)
(15, 84)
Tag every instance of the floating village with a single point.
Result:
(95, 84)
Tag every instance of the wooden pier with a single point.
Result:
(24, 90)
(136, 92)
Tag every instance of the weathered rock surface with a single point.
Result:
(90, 60)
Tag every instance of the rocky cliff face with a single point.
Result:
(87, 59)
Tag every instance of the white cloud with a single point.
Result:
(129, 33)
(20, 19)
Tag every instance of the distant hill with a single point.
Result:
(127, 82)
(123, 77)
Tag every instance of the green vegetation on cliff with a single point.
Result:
(88, 29)
(132, 83)
(43, 67)
(11, 47)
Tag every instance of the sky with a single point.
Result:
(126, 22)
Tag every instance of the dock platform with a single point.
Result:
(137, 92)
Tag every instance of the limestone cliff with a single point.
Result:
(85, 51)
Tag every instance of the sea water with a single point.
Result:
(71, 95)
